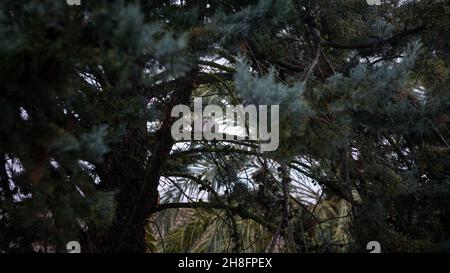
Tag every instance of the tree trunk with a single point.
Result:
(136, 186)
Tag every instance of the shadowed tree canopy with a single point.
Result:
(86, 152)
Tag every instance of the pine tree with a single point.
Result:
(85, 125)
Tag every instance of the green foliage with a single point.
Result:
(85, 148)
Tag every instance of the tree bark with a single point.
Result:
(135, 182)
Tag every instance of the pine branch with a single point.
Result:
(379, 42)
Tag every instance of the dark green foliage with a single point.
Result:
(85, 147)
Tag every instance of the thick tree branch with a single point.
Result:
(162, 149)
